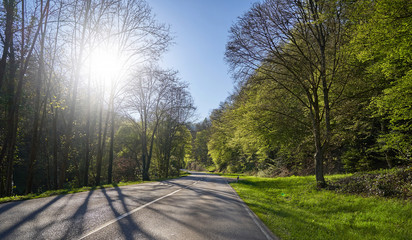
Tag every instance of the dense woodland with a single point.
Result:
(321, 87)
(83, 101)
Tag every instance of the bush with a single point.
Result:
(387, 183)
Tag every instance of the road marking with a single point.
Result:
(129, 213)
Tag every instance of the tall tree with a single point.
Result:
(151, 97)
(83, 23)
(14, 90)
(177, 113)
(38, 85)
(46, 84)
(7, 37)
(297, 45)
(8, 78)
(131, 30)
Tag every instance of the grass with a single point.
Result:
(76, 190)
(293, 208)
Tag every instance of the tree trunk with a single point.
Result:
(145, 169)
(55, 149)
(8, 51)
(387, 157)
(102, 146)
(67, 145)
(87, 143)
(99, 149)
(44, 146)
(319, 158)
(149, 156)
(110, 167)
(35, 135)
(8, 38)
(8, 149)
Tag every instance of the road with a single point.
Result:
(199, 206)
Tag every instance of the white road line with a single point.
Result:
(128, 213)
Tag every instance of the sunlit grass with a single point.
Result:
(293, 208)
(77, 190)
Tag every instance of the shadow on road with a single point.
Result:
(77, 214)
(4, 207)
(129, 227)
(78, 219)
(29, 217)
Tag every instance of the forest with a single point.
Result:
(321, 87)
(83, 101)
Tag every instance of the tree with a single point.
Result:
(132, 23)
(297, 45)
(7, 40)
(384, 27)
(150, 97)
(14, 89)
(47, 87)
(7, 78)
(37, 125)
(83, 23)
(170, 135)
(199, 151)
(219, 146)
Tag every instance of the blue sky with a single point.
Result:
(201, 31)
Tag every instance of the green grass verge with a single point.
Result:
(293, 209)
(76, 190)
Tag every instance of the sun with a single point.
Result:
(106, 64)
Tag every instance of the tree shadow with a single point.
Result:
(119, 200)
(4, 207)
(201, 216)
(129, 227)
(29, 217)
(78, 217)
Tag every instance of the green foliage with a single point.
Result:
(265, 127)
(200, 153)
(181, 148)
(219, 144)
(199, 157)
(261, 128)
(395, 183)
(395, 105)
(382, 40)
(293, 208)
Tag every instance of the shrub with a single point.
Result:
(387, 183)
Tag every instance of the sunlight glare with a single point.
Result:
(106, 65)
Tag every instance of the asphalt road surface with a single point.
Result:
(199, 206)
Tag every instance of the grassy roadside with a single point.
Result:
(293, 209)
(76, 190)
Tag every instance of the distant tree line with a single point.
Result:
(62, 124)
(322, 87)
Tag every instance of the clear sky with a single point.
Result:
(201, 31)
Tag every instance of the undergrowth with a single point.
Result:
(394, 183)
